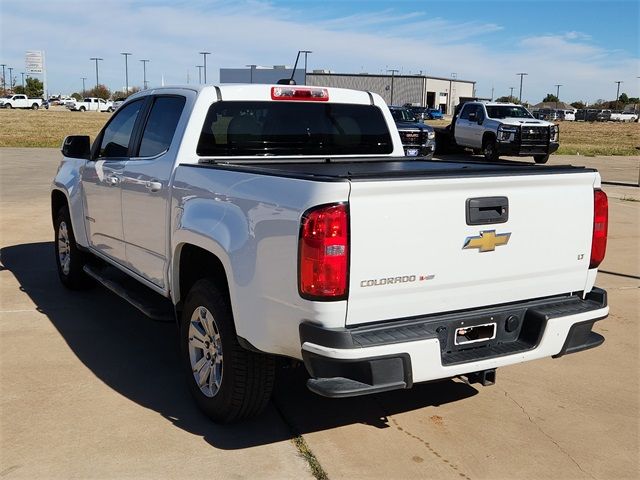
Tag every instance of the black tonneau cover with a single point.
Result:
(345, 169)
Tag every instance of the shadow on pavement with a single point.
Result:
(138, 358)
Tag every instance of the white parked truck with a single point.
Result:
(284, 221)
(496, 129)
(91, 104)
(20, 101)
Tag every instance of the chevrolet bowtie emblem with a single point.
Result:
(487, 241)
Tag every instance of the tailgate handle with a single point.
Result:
(487, 210)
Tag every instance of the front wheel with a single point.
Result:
(69, 259)
(227, 382)
(541, 158)
(82, 109)
(34, 106)
(490, 150)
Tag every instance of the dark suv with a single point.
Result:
(418, 139)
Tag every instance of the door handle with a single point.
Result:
(153, 186)
(112, 180)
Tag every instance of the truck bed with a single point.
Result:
(382, 168)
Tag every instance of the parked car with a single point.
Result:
(434, 114)
(567, 115)
(603, 115)
(548, 114)
(495, 129)
(91, 104)
(623, 117)
(117, 102)
(586, 115)
(20, 101)
(283, 221)
(418, 139)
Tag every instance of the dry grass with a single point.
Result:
(590, 139)
(47, 128)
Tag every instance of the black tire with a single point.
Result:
(541, 158)
(247, 377)
(9, 106)
(490, 149)
(82, 109)
(109, 110)
(34, 106)
(72, 275)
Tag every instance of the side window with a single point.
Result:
(116, 137)
(466, 110)
(161, 125)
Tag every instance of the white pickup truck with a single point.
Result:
(495, 129)
(284, 221)
(91, 104)
(20, 101)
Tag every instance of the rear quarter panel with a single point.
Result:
(251, 223)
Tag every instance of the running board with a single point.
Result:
(152, 304)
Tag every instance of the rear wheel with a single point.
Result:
(228, 382)
(82, 109)
(69, 259)
(490, 149)
(541, 158)
(34, 106)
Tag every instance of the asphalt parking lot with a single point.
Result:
(90, 388)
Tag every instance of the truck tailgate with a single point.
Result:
(407, 239)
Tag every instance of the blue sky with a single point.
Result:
(583, 45)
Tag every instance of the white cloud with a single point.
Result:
(254, 32)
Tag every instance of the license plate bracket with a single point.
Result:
(475, 333)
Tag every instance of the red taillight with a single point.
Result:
(297, 93)
(600, 225)
(324, 253)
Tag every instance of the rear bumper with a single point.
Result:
(396, 354)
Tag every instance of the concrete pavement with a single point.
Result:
(89, 388)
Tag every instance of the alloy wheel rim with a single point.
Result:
(64, 248)
(205, 351)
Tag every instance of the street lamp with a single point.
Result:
(306, 52)
(83, 88)
(96, 59)
(199, 67)
(204, 55)
(22, 73)
(393, 72)
(10, 78)
(126, 71)
(144, 73)
(558, 85)
(521, 77)
(4, 83)
(511, 94)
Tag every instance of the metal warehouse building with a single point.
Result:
(422, 90)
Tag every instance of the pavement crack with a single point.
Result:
(301, 446)
(558, 446)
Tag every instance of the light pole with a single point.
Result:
(83, 88)
(22, 73)
(558, 85)
(306, 52)
(511, 94)
(96, 59)
(618, 91)
(251, 68)
(204, 55)
(126, 71)
(393, 72)
(521, 77)
(144, 73)
(10, 78)
(199, 67)
(4, 82)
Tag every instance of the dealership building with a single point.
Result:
(420, 90)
